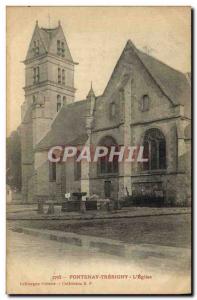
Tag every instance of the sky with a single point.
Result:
(96, 37)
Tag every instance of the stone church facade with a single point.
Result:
(144, 103)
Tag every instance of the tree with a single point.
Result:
(13, 160)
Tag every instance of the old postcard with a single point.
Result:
(99, 150)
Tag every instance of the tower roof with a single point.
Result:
(47, 34)
(47, 39)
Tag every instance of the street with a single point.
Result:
(167, 230)
(41, 259)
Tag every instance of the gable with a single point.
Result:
(36, 38)
(44, 40)
(58, 35)
(172, 83)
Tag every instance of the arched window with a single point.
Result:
(104, 165)
(144, 103)
(59, 103)
(154, 150)
(36, 45)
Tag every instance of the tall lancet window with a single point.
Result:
(59, 103)
(36, 75)
(144, 103)
(154, 149)
(59, 76)
(105, 165)
(63, 76)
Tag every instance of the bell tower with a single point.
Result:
(49, 85)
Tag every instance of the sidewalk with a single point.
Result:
(29, 212)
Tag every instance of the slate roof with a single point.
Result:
(47, 35)
(68, 128)
(173, 83)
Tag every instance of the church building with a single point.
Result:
(144, 103)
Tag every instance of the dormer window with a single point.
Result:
(60, 48)
(63, 49)
(36, 47)
(144, 103)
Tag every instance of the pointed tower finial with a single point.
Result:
(36, 22)
(91, 91)
(59, 23)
